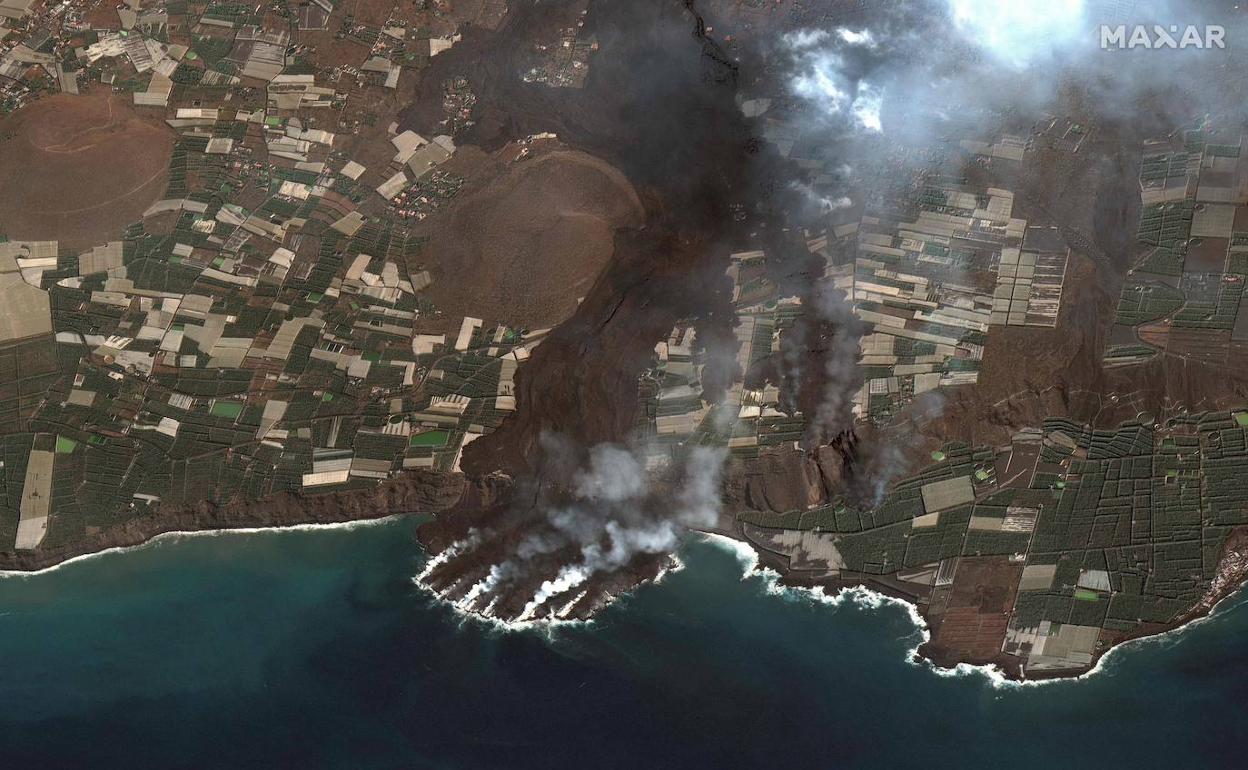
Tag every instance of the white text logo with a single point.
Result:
(1157, 36)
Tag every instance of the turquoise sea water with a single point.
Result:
(314, 649)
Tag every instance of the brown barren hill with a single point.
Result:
(525, 245)
(78, 169)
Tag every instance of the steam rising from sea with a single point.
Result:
(858, 598)
(910, 74)
(619, 509)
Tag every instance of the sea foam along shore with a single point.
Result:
(867, 599)
(859, 596)
(174, 536)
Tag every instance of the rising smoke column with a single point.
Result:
(913, 75)
(790, 368)
(588, 517)
(839, 346)
(669, 120)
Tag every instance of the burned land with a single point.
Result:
(579, 277)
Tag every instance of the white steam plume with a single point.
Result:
(617, 511)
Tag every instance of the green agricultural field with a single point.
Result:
(227, 409)
(430, 438)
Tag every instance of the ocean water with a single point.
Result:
(313, 648)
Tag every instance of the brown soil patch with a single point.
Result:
(525, 245)
(1202, 344)
(1156, 333)
(78, 169)
(972, 623)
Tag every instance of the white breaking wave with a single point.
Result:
(867, 599)
(858, 596)
(175, 536)
(771, 582)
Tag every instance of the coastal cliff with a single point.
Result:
(412, 492)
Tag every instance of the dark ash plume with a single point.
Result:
(840, 335)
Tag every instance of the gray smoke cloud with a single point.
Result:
(916, 72)
(879, 89)
(619, 509)
(791, 369)
(892, 86)
(839, 343)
